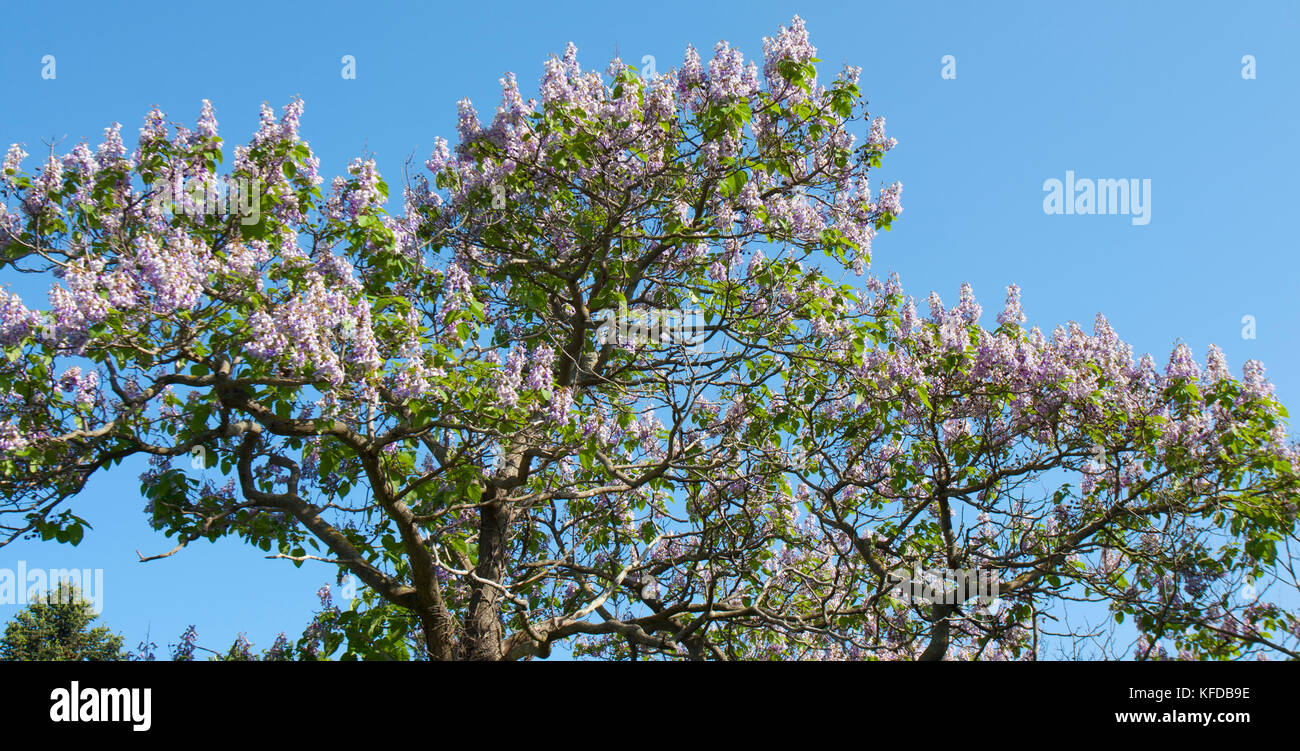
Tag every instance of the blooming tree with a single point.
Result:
(425, 401)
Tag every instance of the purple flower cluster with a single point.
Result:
(540, 363)
(790, 44)
(85, 386)
(1012, 313)
(207, 124)
(1080, 379)
(558, 408)
(877, 136)
(321, 327)
(13, 162)
(510, 379)
(891, 199)
(16, 321)
(12, 439)
(360, 197)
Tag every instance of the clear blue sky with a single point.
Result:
(1108, 90)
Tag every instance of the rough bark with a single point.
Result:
(484, 632)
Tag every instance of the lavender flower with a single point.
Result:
(1012, 314)
(541, 361)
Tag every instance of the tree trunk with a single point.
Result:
(438, 634)
(484, 632)
(939, 635)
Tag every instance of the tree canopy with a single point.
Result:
(57, 626)
(428, 401)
